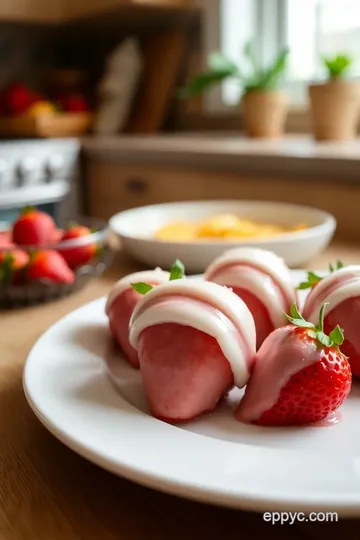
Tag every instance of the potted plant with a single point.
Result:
(335, 104)
(264, 106)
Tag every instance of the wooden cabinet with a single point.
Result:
(112, 187)
(85, 8)
(30, 10)
(64, 10)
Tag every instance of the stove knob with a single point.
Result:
(25, 169)
(54, 166)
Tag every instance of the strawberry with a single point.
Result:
(49, 265)
(56, 237)
(5, 239)
(81, 254)
(300, 375)
(313, 279)
(74, 103)
(12, 266)
(33, 228)
(17, 98)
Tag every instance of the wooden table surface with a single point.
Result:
(47, 492)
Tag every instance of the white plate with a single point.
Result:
(215, 459)
(136, 229)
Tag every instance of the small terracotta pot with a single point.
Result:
(334, 109)
(265, 113)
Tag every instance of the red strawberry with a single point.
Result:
(56, 237)
(299, 377)
(75, 103)
(5, 239)
(17, 98)
(33, 228)
(12, 266)
(49, 265)
(83, 253)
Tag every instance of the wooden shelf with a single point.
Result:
(58, 11)
(88, 8)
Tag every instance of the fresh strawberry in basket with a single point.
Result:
(299, 377)
(16, 99)
(12, 266)
(81, 254)
(49, 265)
(33, 228)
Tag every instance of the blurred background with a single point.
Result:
(107, 105)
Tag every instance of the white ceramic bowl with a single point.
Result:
(136, 230)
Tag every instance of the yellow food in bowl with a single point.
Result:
(226, 227)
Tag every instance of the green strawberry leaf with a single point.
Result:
(297, 319)
(312, 279)
(339, 265)
(337, 335)
(320, 325)
(27, 209)
(333, 340)
(141, 288)
(177, 270)
(324, 339)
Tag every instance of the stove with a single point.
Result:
(42, 173)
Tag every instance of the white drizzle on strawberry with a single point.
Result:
(207, 307)
(262, 273)
(155, 276)
(333, 289)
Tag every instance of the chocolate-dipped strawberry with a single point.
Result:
(341, 291)
(300, 375)
(262, 280)
(121, 303)
(195, 341)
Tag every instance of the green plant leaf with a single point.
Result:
(271, 76)
(218, 63)
(177, 270)
(338, 65)
(220, 68)
(141, 288)
(251, 57)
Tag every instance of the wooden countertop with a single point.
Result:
(297, 155)
(48, 492)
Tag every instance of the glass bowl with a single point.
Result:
(44, 290)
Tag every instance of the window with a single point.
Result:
(316, 27)
(309, 27)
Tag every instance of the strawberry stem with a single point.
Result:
(177, 270)
(334, 339)
(313, 279)
(27, 210)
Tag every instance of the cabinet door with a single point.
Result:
(30, 10)
(112, 188)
